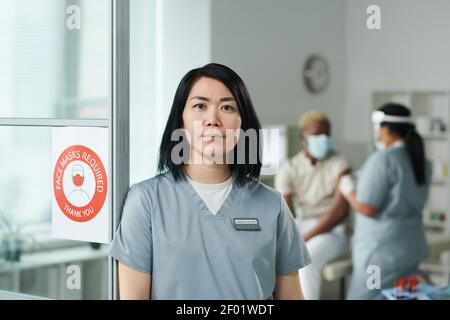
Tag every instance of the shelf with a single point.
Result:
(439, 182)
(9, 295)
(429, 136)
(434, 224)
(53, 257)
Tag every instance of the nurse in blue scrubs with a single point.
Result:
(205, 228)
(392, 188)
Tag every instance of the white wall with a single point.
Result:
(183, 41)
(168, 38)
(266, 42)
(412, 51)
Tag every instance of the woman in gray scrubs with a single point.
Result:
(205, 228)
(389, 241)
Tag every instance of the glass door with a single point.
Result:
(63, 64)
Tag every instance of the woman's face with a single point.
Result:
(384, 134)
(211, 119)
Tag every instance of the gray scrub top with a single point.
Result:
(167, 230)
(393, 239)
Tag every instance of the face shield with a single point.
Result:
(379, 117)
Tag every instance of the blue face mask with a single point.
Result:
(319, 145)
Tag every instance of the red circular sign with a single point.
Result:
(92, 160)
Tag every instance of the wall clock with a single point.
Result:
(316, 74)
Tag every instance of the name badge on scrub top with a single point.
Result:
(246, 224)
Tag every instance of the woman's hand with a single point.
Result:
(346, 186)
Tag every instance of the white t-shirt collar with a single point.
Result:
(211, 186)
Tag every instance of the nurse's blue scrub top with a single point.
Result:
(167, 230)
(393, 239)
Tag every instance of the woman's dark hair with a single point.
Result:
(413, 141)
(241, 172)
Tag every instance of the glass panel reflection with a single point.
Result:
(55, 58)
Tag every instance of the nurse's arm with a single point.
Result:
(133, 285)
(288, 287)
(363, 208)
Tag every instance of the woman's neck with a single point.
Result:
(215, 173)
(393, 140)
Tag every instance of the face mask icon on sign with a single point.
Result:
(78, 180)
(78, 197)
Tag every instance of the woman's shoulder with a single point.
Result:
(395, 156)
(380, 155)
(387, 159)
(161, 180)
(376, 161)
(262, 191)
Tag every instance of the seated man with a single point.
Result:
(309, 184)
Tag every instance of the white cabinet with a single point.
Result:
(431, 112)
